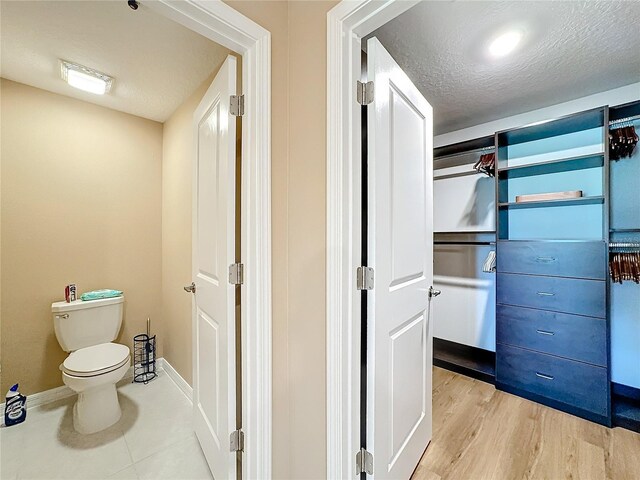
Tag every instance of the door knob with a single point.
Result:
(190, 288)
(433, 292)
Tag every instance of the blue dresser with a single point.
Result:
(551, 325)
(552, 328)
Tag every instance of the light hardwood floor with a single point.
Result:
(480, 433)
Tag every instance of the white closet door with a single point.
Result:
(400, 249)
(214, 340)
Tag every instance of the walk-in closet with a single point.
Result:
(536, 196)
(537, 249)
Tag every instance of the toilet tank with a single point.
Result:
(80, 324)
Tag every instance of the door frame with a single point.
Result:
(347, 23)
(221, 23)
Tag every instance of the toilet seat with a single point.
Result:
(96, 360)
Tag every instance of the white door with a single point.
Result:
(214, 367)
(400, 249)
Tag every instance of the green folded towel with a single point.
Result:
(97, 294)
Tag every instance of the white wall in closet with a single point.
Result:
(617, 96)
(463, 203)
(466, 311)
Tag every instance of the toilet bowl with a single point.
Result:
(86, 329)
(92, 373)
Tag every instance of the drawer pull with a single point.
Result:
(545, 332)
(542, 375)
(545, 259)
(545, 294)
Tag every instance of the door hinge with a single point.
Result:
(364, 93)
(364, 462)
(364, 278)
(236, 274)
(236, 441)
(236, 105)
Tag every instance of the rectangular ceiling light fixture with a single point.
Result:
(85, 78)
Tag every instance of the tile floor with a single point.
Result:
(154, 439)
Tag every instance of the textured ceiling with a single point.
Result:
(570, 49)
(156, 62)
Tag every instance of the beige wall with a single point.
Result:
(307, 235)
(81, 193)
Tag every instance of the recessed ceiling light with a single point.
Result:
(505, 43)
(85, 78)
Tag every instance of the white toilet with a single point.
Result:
(95, 365)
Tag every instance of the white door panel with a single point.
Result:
(214, 389)
(400, 249)
(408, 406)
(407, 190)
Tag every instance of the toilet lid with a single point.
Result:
(96, 359)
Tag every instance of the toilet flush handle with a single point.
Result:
(64, 316)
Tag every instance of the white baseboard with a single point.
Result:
(180, 382)
(53, 395)
(48, 396)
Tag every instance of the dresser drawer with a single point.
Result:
(570, 336)
(572, 383)
(567, 295)
(562, 259)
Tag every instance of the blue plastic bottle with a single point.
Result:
(15, 410)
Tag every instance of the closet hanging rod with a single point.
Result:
(625, 119)
(624, 244)
(624, 230)
(465, 243)
(454, 175)
(465, 232)
(465, 152)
